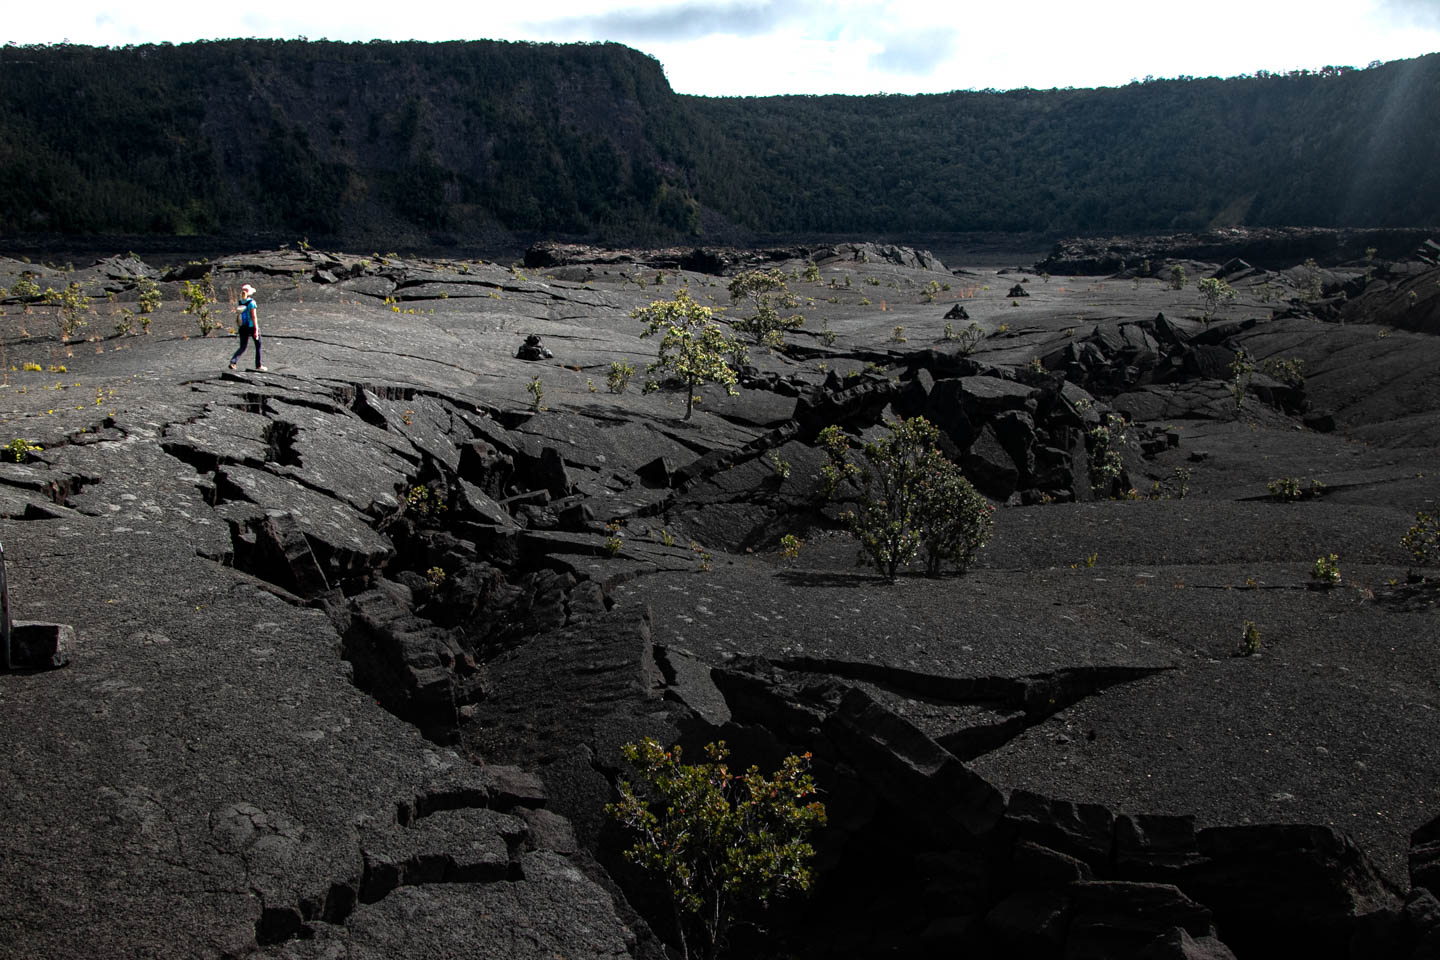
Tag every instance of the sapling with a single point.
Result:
(71, 304)
(1214, 294)
(765, 290)
(198, 297)
(1249, 640)
(1326, 570)
(720, 843)
(693, 348)
(910, 497)
(790, 547)
(619, 376)
(1422, 540)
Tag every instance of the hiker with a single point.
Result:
(247, 325)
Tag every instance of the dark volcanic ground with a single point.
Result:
(281, 734)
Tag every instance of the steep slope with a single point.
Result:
(388, 144)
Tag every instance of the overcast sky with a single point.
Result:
(760, 47)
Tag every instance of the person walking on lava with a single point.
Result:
(247, 325)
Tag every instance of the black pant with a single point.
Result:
(245, 334)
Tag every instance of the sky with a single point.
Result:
(766, 47)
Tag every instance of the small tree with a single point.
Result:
(71, 305)
(1107, 464)
(693, 348)
(720, 843)
(619, 376)
(1312, 285)
(198, 297)
(955, 518)
(765, 290)
(1214, 294)
(911, 497)
(1422, 541)
(1242, 371)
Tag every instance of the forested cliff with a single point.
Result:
(354, 142)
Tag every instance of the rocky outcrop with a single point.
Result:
(1268, 247)
(725, 260)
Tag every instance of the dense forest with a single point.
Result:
(353, 142)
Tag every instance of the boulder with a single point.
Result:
(1425, 857)
(1285, 888)
(1031, 923)
(1177, 944)
(1083, 831)
(35, 645)
(1114, 919)
(990, 466)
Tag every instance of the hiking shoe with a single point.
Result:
(232, 366)
(262, 369)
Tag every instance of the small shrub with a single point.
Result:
(198, 297)
(898, 334)
(618, 379)
(1177, 277)
(537, 393)
(1106, 462)
(1326, 570)
(790, 547)
(71, 305)
(425, 502)
(910, 497)
(1214, 294)
(1312, 288)
(614, 542)
(1294, 488)
(435, 576)
(1249, 640)
(765, 290)
(1422, 540)
(720, 843)
(21, 450)
(1179, 483)
(693, 349)
(812, 272)
(25, 287)
(1242, 371)
(781, 467)
(1288, 371)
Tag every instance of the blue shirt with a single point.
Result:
(247, 316)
